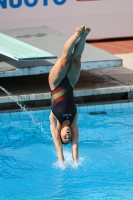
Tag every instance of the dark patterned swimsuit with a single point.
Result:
(63, 105)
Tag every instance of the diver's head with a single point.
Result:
(66, 134)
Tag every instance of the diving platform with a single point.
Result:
(34, 51)
(21, 51)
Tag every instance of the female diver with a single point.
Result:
(62, 79)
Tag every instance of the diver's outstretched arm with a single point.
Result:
(56, 138)
(75, 136)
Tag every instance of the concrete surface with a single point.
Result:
(51, 41)
(93, 86)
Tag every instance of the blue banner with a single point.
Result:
(12, 4)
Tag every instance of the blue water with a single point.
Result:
(29, 169)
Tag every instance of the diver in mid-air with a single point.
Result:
(62, 79)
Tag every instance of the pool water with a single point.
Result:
(29, 169)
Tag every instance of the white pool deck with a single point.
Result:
(102, 73)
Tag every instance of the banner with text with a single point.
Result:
(106, 18)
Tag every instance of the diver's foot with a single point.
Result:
(86, 32)
(79, 31)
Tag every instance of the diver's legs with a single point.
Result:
(59, 70)
(75, 66)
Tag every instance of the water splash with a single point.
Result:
(23, 108)
(68, 164)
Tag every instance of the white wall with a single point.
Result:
(106, 18)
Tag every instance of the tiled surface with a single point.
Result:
(90, 79)
(122, 49)
(106, 107)
(91, 82)
(115, 47)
